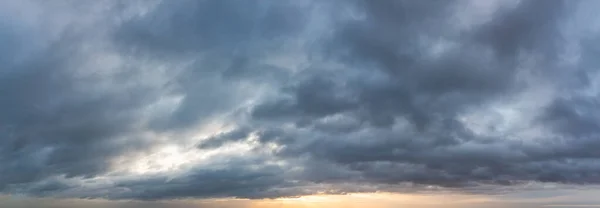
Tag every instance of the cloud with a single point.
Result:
(410, 74)
(58, 119)
(272, 99)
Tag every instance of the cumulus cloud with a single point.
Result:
(269, 99)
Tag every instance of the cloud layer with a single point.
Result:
(207, 99)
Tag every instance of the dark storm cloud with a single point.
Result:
(61, 120)
(430, 92)
(530, 26)
(567, 117)
(386, 43)
(225, 38)
(220, 139)
(243, 178)
(51, 122)
(190, 26)
(381, 103)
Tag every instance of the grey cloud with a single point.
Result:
(240, 178)
(567, 116)
(44, 112)
(61, 120)
(191, 26)
(531, 26)
(430, 93)
(225, 41)
(379, 106)
(45, 187)
(218, 140)
(414, 85)
(58, 119)
(314, 97)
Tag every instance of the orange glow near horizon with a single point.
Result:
(356, 200)
(362, 200)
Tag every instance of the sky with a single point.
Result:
(299, 103)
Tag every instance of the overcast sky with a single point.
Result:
(235, 103)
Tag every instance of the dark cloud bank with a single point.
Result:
(389, 95)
